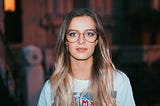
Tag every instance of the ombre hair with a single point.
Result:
(101, 86)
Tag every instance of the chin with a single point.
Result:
(83, 58)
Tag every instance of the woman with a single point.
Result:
(84, 74)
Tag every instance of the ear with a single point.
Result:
(96, 42)
(66, 45)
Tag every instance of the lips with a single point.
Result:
(81, 49)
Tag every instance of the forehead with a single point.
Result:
(82, 23)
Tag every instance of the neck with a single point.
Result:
(82, 69)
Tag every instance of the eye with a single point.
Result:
(72, 33)
(90, 33)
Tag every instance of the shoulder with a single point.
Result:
(120, 78)
(45, 98)
(47, 84)
(123, 89)
(47, 88)
(118, 74)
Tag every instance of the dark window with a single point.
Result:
(13, 25)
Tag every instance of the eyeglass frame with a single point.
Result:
(95, 33)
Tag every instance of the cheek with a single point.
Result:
(92, 48)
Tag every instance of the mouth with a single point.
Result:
(81, 50)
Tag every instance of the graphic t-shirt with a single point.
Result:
(79, 87)
(85, 100)
(122, 92)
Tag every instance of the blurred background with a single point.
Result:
(28, 32)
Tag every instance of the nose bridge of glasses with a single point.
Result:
(81, 36)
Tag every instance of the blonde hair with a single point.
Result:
(101, 87)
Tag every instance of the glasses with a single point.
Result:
(90, 35)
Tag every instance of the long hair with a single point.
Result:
(101, 87)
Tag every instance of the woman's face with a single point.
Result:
(82, 49)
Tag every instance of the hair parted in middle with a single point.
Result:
(101, 86)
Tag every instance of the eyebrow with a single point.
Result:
(79, 31)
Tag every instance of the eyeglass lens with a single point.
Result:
(90, 35)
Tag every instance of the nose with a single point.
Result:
(81, 38)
